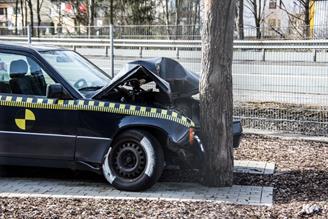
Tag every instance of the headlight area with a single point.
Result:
(194, 153)
(191, 135)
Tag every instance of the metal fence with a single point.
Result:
(170, 32)
(278, 85)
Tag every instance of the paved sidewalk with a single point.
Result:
(253, 167)
(27, 187)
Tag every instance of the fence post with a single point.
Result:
(111, 32)
(29, 34)
(106, 50)
(314, 55)
(263, 55)
(177, 52)
(140, 52)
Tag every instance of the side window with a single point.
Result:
(20, 74)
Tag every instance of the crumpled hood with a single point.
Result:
(183, 82)
(135, 71)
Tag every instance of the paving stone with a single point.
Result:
(20, 187)
(253, 167)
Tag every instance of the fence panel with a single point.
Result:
(277, 84)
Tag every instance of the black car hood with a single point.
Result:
(183, 82)
(135, 71)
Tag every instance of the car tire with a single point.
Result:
(134, 162)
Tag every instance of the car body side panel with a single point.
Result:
(91, 149)
(98, 122)
(106, 126)
(32, 134)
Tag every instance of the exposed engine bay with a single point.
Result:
(136, 84)
(159, 82)
(139, 92)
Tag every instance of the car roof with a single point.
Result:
(28, 47)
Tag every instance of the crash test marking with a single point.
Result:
(54, 188)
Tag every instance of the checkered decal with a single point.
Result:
(94, 105)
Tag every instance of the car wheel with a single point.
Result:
(134, 162)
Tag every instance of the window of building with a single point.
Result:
(278, 23)
(2, 11)
(273, 4)
(272, 22)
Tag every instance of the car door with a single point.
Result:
(30, 125)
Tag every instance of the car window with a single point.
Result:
(20, 74)
(76, 70)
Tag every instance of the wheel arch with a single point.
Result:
(160, 134)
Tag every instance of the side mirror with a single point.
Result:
(57, 91)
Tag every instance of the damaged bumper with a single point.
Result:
(237, 132)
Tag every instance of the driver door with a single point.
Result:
(29, 126)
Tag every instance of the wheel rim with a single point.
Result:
(129, 160)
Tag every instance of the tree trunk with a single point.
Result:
(30, 6)
(22, 16)
(241, 19)
(216, 91)
(16, 16)
(258, 29)
(167, 19)
(38, 9)
(177, 18)
(196, 11)
(307, 19)
(25, 9)
(91, 4)
(111, 12)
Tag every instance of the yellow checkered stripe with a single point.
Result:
(94, 105)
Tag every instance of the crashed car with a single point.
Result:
(184, 86)
(59, 110)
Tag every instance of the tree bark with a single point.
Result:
(216, 91)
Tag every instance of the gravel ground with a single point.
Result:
(301, 180)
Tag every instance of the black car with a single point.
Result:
(57, 109)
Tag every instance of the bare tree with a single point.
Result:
(257, 7)
(30, 7)
(177, 17)
(38, 12)
(91, 16)
(111, 12)
(216, 91)
(241, 19)
(196, 17)
(303, 15)
(166, 16)
(16, 16)
(22, 15)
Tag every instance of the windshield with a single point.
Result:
(75, 69)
